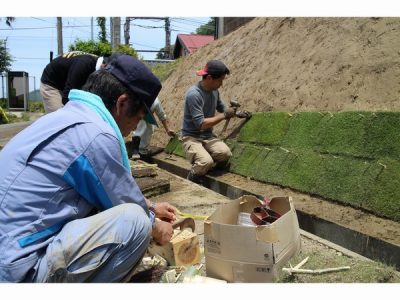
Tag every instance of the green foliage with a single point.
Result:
(207, 29)
(163, 71)
(13, 118)
(162, 54)
(35, 106)
(101, 21)
(5, 57)
(349, 157)
(3, 117)
(127, 50)
(100, 48)
(174, 146)
(3, 103)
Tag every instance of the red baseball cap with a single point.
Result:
(214, 67)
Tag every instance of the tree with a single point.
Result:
(162, 54)
(100, 48)
(9, 20)
(101, 21)
(5, 57)
(207, 29)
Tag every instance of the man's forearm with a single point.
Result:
(210, 122)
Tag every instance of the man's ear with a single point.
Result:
(122, 105)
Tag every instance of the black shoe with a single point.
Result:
(199, 179)
(135, 147)
(223, 166)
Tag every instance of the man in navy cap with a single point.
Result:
(72, 162)
(202, 148)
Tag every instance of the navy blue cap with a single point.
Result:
(138, 79)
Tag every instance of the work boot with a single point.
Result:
(199, 179)
(223, 166)
(135, 147)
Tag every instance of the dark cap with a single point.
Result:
(137, 78)
(214, 67)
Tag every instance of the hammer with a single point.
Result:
(235, 105)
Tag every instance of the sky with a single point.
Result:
(30, 39)
(33, 34)
(31, 48)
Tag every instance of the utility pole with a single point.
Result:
(91, 28)
(168, 37)
(127, 27)
(59, 36)
(116, 32)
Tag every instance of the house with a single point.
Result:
(188, 43)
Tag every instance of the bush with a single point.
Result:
(3, 117)
(35, 106)
(162, 71)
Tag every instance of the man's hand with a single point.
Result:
(165, 211)
(229, 113)
(170, 132)
(243, 114)
(162, 232)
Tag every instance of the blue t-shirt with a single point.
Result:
(200, 104)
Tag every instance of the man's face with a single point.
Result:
(216, 83)
(123, 117)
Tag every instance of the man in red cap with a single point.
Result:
(202, 100)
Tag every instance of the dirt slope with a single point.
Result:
(299, 64)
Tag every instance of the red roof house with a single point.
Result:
(188, 43)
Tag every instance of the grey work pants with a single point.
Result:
(52, 98)
(102, 248)
(203, 154)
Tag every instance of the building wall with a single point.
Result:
(231, 24)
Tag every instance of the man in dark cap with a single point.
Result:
(201, 146)
(72, 162)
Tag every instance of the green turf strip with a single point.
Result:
(349, 157)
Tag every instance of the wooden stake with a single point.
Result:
(318, 271)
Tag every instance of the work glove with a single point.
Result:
(229, 113)
(243, 114)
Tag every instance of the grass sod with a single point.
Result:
(382, 137)
(302, 130)
(342, 134)
(350, 157)
(266, 129)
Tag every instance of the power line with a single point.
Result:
(52, 27)
(42, 20)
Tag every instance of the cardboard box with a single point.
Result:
(237, 253)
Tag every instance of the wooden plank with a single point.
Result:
(151, 187)
(182, 250)
(144, 172)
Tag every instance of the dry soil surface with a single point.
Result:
(301, 64)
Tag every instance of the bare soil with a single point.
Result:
(301, 64)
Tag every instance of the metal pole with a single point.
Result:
(2, 86)
(91, 28)
(59, 36)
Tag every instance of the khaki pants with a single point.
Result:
(52, 98)
(203, 154)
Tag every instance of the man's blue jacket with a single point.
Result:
(57, 170)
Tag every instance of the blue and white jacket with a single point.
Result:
(57, 170)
